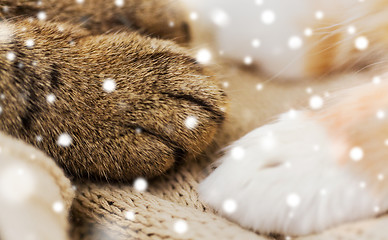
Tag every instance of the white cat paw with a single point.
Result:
(284, 178)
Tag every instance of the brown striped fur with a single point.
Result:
(137, 130)
(150, 17)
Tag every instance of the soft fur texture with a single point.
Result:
(286, 177)
(348, 132)
(115, 135)
(159, 18)
(298, 39)
(31, 184)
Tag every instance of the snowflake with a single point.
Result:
(268, 17)
(203, 56)
(80, 1)
(119, 3)
(361, 43)
(109, 85)
(42, 15)
(220, 17)
(356, 153)
(295, 42)
(309, 90)
(316, 102)
(193, 16)
(138, 130)
(60, 28)
(316, 148)
(256, 43)
(293, 200)
(292, 114)
(140, 184)
(130, 215)
(351, 29)
(380, 114)
(11, 56)
(191, 122)
(308, 32)
(268, 141)
(248, 60)
(237, 153)
(229, 206)
(319, 15)
(30, 43)
(376, 209)
(64, 140)
(376, 80)
(58, 207)
(259, 2)
(180, 226)
(50, 98)
(39, 138)
(259, 87)
(323, 192)
(380, 176)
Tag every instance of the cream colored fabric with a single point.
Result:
(100, 209)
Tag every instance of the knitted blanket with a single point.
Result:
(171, 209)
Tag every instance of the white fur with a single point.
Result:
(243, 23)
(292, 157)
(28, 191)
(6, 33)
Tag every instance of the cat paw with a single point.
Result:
(285, 178)
(108, 107)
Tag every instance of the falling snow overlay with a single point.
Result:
(257, 119)
(140, 184)
(64, 140)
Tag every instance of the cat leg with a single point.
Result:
(112, 106)
(166, 19)
(310, 170)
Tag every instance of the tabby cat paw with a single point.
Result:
(111, 106)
